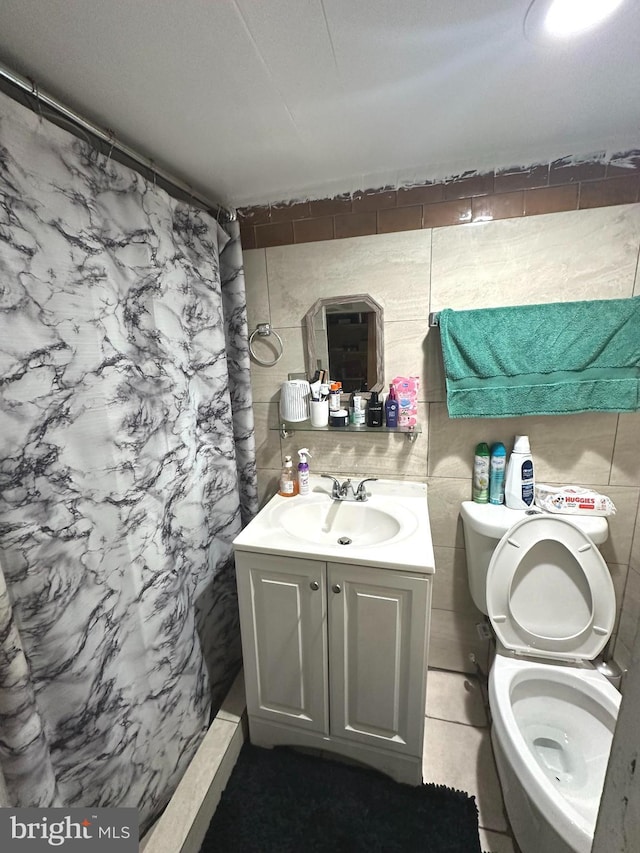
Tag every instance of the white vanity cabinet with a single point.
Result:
(335, 657)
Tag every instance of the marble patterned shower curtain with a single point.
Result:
(127, 467)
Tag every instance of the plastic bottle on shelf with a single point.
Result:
(356, 409)
(334, 396)
(391, 408)
(374, 411)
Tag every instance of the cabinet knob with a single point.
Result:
(314, 585)
(336, 587)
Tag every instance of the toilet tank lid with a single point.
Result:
(494, 521)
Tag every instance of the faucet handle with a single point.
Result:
(361, 493)
(335, 489)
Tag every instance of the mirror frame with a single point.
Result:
(310, 332)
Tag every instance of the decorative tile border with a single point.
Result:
(566, 184)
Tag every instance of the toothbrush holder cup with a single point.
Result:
(319, 410)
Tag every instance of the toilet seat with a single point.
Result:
(549, 591)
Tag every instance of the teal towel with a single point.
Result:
(552, 359)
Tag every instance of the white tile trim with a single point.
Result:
(183, 824)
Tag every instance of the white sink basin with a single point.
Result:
(321, 520)
(388, 530)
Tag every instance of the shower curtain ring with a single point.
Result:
(265, 330)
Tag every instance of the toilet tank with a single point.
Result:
(484, 526)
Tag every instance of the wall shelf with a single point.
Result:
(287, 428)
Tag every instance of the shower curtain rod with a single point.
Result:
(80, 121)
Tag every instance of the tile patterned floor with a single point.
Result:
(457, 752)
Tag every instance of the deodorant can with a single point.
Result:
(497, 467)
(480, 491)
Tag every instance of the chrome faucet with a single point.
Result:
(346, 491)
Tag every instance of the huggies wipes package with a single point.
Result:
(571, 500)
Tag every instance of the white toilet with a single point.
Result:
(548, 593)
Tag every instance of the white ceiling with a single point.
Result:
(254, 101)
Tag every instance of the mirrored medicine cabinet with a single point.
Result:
(344, 334)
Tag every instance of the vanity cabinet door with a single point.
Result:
(282, 602)
(378, 629)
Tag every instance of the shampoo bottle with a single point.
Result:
(497, 465)
(288, 483)
(519, 484)
(480, 492)
(303, 472)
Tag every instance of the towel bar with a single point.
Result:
(434, 319)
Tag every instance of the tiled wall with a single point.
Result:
(566, 184)
(630, 618)
(563, 256)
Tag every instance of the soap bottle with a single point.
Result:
(391, 407)
(497, 465)
(480, 489)
(288, 481)
(374, 411)
(520, 484)
(303, 471)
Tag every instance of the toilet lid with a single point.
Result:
(549, 591)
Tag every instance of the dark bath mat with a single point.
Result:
(281, 801)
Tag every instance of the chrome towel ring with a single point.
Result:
(265, 330)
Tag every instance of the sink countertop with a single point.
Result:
(410, 550)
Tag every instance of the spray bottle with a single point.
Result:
(303, 471)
